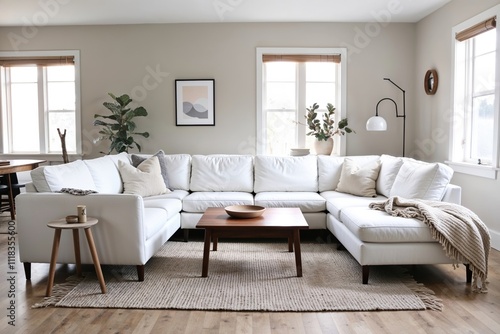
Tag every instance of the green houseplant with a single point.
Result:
(324, 130)
(119, 127)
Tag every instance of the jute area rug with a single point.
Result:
(248, 276)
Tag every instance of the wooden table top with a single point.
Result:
(272, 218)
(61, 223)
(20, 165)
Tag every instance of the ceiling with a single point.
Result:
(96, 12)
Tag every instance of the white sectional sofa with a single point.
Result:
(133, 227)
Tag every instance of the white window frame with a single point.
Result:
(341, 108)
(456, 155)
(78, 126)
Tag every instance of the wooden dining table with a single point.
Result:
(15, 166)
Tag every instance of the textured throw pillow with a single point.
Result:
(359, 181)
(418, 179)
(145, 180)
(389, 168)
(137, 160)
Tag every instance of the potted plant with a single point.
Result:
(324, 130)
(120, 127)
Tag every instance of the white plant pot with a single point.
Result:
(324, 147)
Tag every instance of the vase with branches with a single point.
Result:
(324, 130)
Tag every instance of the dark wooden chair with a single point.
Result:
(7, 204)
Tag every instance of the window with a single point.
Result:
(474, 144)
(39, 94)
(289, 81)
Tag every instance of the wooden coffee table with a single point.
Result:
(274, 223)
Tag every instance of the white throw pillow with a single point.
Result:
(389, 168)
(145, 180)
(422, 180)
(359, 181)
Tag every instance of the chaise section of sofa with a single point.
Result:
(376, 238)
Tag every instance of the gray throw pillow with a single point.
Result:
(136, 161)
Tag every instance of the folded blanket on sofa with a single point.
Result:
(464, 237)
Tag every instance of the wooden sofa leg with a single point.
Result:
(27, 270)
(140, 273)
(365, 272)
(186, 235)
(468, 274)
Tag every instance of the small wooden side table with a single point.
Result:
(60, 225)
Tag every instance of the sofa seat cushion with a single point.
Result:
(170, 205)
(377, 226)
(154, 220)
(201, 200)
(176, 194)
(306, 201)
(337, 201)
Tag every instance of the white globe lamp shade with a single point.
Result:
(376, 123)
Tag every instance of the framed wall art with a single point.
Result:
(194, 102)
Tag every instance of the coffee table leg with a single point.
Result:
(290, 242)
(298, 258)
(206, 252)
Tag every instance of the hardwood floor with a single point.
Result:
(464, 311)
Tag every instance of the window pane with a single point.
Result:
(484, 73)
(24, 101)
(281, 132)
(320, 93)
(24, 74)
(320, 72)
(280, 71)
(481, 144)
(60, 73)
(280, 96)
(63, 121)
(485, 42)
(61, 95)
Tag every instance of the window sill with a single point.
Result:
(488, 172)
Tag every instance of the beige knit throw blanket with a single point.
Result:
(464, 237)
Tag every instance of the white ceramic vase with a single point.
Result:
(324, 147)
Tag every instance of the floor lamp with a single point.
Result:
(378, 123)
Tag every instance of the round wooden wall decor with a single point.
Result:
(431, 82)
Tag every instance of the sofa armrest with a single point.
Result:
(119, 235)
(453, 194)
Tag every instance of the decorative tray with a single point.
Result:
(245, 211)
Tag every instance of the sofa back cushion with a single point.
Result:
(105, 173)
(274, 173)
(389, 169)
(71, 175)
(222, 173)
(330, 169)
(178, 169)
(422, 180)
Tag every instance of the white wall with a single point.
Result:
(433, 45)
(117, 58)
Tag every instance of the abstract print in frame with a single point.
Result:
(194, 102)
